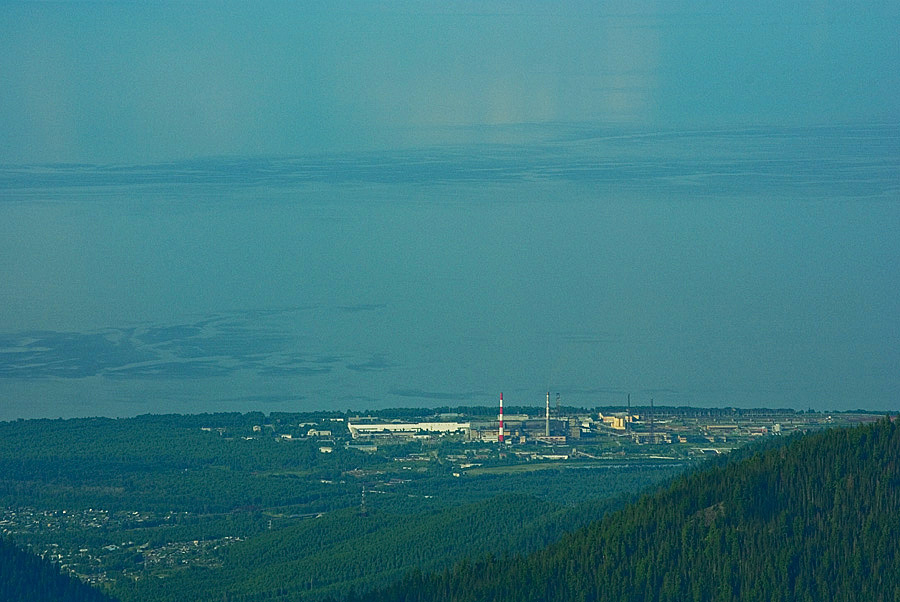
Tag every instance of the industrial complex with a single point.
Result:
(645, 425)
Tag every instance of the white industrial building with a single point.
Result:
(406, 428)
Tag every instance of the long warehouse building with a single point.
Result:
(406, 428)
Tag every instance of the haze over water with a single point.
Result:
(596, 239)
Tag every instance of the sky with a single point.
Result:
(133, 82)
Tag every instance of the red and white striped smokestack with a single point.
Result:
(500, 436)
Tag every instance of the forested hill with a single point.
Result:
(818, 519)
(25, 577)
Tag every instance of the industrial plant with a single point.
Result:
(557, 426)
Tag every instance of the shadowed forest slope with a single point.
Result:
(818, 519)
(26, 577)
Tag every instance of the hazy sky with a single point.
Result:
(149, 81)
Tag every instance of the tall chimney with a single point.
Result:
(628, 418)
(500, 436)
(547, 417)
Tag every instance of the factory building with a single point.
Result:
(406, 429)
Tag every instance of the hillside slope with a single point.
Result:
(25, 577)
(818, 519)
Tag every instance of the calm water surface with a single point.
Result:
(741, 268)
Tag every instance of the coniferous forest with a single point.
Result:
(26, 577)
(818, 519)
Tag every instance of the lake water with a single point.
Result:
(723, 268)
